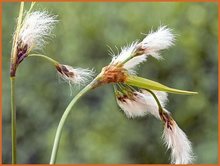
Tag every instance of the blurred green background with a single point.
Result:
(96, 130)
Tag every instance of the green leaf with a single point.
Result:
(149, 84)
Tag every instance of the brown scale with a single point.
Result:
(167, 119)
(121, 98)
(130, 96)
(63, 70)
(21, 54)
(113, 74)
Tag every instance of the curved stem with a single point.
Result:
(64, 117)
(13, 120)
(157, 100)
(45, 57)
(165, 117)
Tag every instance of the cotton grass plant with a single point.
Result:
(31, 34)
(135, 95)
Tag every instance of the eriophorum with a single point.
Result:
(30, 35)
(137, 102)
(76, 76)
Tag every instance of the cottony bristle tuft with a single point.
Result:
(76, 76)
(133, 104)
(36, 27)
(177, 141)
(161, 39)
(152, 44)
(141, 103)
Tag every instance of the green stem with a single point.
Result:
(64, 117)
(166, 118)
(157, 100)
(45, 57)
(13, 120)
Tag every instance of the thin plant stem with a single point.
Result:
(12, 82)
(13, 120)
(45, 57)
(64, 117)
(157, 100)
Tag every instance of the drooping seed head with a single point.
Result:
(133, 104)
(180, 146)
(77, 76)
(140, 103)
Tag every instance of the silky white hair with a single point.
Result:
(151, 45)
(36, 27)
(143, 103)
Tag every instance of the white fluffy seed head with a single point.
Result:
(125, 54)
(177, 141)
(133, 105)
(139, 104)
(161, 39)
(152, 44)
(36, 27)
(76, 76)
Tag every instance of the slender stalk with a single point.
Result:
(13, 120)
(45, 57)
(64, 117)
(157, 100)
(166, 118)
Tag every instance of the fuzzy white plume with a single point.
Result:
(138, 104)
(36, 27)
(152, 44)
(141, 103)
(161, 39)
(77, 76)
(177, 141)
(126, 52)
(133, 106)
(134, 62)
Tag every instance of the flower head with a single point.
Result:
(136, 53)
(34, 29)
(161, 39)
(181, 148)
(133, 104)
(138, 96)
(137, 103)
(77, 76)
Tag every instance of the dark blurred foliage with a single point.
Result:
(96, 130)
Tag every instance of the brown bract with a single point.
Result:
(168, 120)
(112, 74)
(21, 53)
(63, 70)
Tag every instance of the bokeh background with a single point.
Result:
(96, 130)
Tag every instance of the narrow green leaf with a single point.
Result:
(149, 84)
